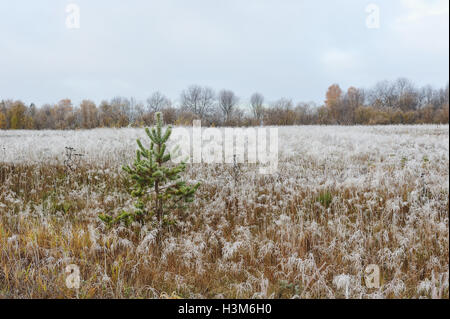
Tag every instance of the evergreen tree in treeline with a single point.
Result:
(156, 185)
(398, 102)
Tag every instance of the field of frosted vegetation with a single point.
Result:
(342, 198)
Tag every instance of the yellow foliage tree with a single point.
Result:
(333, 99)
(2, 121)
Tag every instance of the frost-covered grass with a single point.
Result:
(343, 198)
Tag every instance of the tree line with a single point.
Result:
(396, 102)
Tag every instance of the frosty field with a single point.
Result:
(342, 198)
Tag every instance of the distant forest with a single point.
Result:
(397, 102)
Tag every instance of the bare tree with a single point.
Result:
(89, 114)
(138, 112)
(121, 109)
(304, 112)
(427, 96)
(198, 100)
(400, 94)
(157, 102)
(406, 95)
(227, 103)
(283, 104)
(347, 105)
(281, 112)
(382, 96)
(106, 116)
(257, 101)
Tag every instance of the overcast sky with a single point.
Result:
(281, 48)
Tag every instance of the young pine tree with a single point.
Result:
(156, 185)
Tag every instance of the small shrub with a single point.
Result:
(325, 199)
(157, 187)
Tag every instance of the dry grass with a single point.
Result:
(308, 231)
